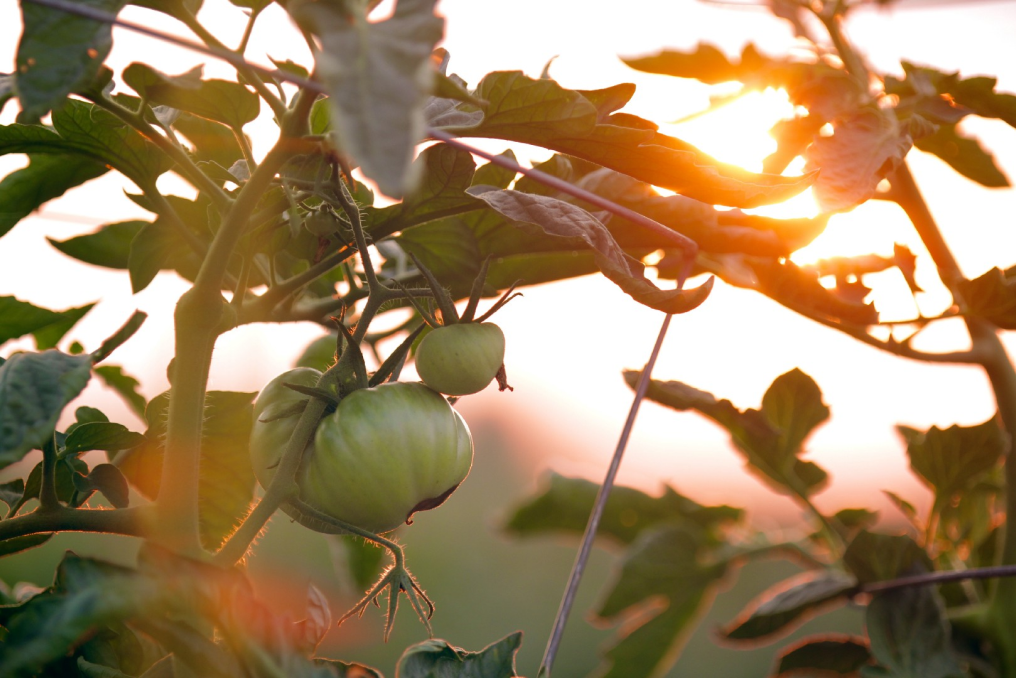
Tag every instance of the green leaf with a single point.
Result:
(109, 246)
(12, 491)
(59, 52)
(18, 318)
(379, 74)
(864, 148)
(543, 215)
(212, 142)
(87, 131)
(436, 658)
(157, 246)
(7, 89)
(965, 155)
(9, 547)
(90, 670)
(348, 670)
(227, 479)
(101, 436)
(662, 563)
(951, 461)
(909, 635)
(830, 654)
(542, 113)
(34, 389)
(565, 504)
(444, 175)
(789, 604)
(770, 439)
(876, 557)
(222, 101)
(46, 177)
(991, 296)
(359, 560)
(66, 469)
(108, 480)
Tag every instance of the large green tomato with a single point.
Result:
(268, 439)
(460, 359)
(386, 453)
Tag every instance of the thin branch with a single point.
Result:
(939, 578)
(127, 521)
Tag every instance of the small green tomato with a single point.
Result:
(460, 359)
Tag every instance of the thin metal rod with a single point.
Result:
(682, 241)
(597, 513)
(940, 578)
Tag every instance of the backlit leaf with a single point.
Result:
(965, 155)
(59, 52)
(579, 227)
(221, 101)
(864, 148)
(227, 478)
(101, 436)
(124, 384)
(18, 318)
(379, 74)
(34, 389)
(109, 246)
(46, 177)
(992, 296)
(876, 557)
(566, 503)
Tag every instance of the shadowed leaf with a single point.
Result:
(109, 246)
(18, 318)
(46, 177)
(789, 604)
(876, 557)
(831, 654)
(222, 101)
(909, 636)
(953, 459)
(125, 385)
(992, 296)
(436, 657)
(965, 155)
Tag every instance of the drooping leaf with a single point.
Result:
(965, 155)
(109, 246)
(540, 214)
(566, 503)
(436, 657)
(772, 438)
(662, 562)
(992, 296)
(864, 148)
(799, 289)
(59, 52)
(227, 479)
(222, 101)
(542, 113)
(34, 389)
(952, 460)
(18, 318)
(779, 610)
(379, 74)
(835, 655)
(876, 557)
(46, 177)
(909, 636)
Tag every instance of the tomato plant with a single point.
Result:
(292, 235)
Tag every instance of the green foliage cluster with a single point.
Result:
(286, 239)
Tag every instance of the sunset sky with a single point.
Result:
(568, 342)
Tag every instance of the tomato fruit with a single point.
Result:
(268, 439)
(460, 359)
(386, 453)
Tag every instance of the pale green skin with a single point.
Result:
(385, 453)
(268, 440)
(461, 359)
